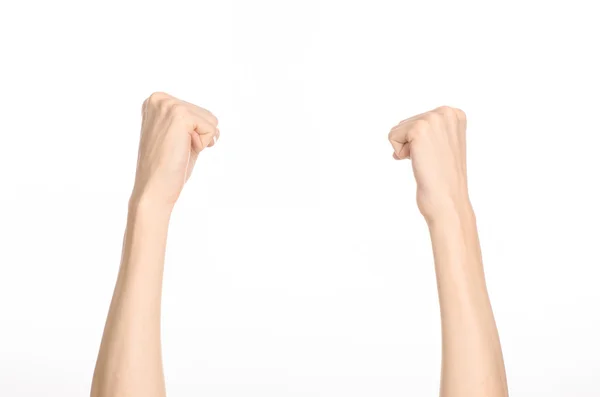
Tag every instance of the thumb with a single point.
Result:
(403, 153)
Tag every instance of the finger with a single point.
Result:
(197, 144)
(203, 113)
(215, 138)
(413, 118)
(203, 128)
(404, 152)
(207, 139)
(399, 135)
(213, 119)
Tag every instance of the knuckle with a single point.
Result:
(460, 114)
(434, 118)
(211, 129)
(390, 135)
(451, 113)
(420, 127)
(156, 97)
(446, 111)
(177, 109)
(208, 114)
(395, 134)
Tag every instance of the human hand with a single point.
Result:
(435, 142)
(173, 133)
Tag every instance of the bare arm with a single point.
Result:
(129, 362)
(472, 363)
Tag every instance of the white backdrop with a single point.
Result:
(298, 263)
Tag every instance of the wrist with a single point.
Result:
(451, 212)
(146, 207)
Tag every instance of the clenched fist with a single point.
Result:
(435, 142)
(173, 133)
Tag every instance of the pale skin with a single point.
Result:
(174, 132)
(472, 363)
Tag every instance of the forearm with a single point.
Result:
(129, 363)
(472, 363)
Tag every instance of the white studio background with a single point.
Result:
(298, 264)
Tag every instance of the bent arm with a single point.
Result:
(472, 363)
(130, 363)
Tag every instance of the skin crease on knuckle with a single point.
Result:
(203, 127)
